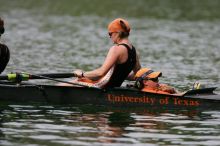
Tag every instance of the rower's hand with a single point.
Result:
(79, 73)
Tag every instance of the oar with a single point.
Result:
(24, 76)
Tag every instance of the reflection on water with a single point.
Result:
(54, 125)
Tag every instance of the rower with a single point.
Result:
(4, 51)
(147, 80)
(122, 60)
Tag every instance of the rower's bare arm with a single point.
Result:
(109, 62)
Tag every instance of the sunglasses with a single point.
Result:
(110, 33)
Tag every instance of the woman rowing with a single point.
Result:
(119, 63)
(4, 51)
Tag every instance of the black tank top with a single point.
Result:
(121, 71)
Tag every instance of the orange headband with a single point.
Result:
(119, 25)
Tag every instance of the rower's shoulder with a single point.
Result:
(117, 47)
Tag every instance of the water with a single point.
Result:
(181, 39)
(55, 125)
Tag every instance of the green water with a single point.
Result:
(178, 37)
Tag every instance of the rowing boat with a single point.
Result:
(14, 90)
(120, 96)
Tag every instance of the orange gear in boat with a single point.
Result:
(147, 80)
(147, 73)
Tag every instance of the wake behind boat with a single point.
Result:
(12, 92)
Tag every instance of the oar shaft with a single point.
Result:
(52, 79)
(23, 76)
(3, 77)
(52, 75)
